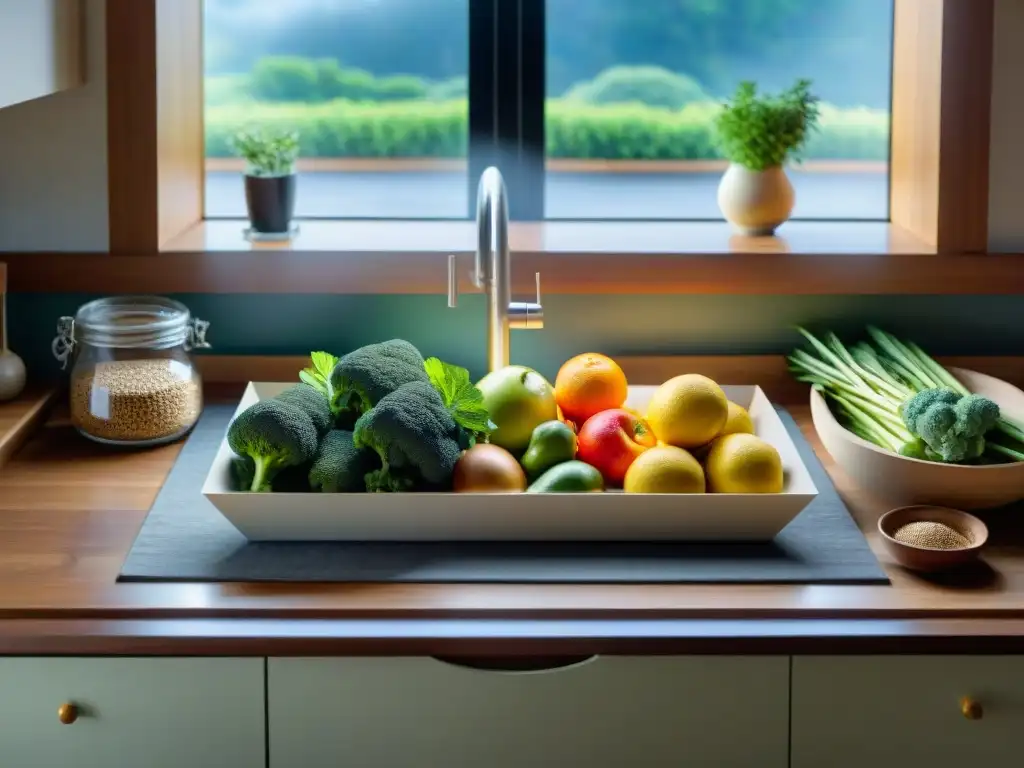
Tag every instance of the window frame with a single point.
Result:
(937, 238)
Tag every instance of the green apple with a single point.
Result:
(517, 400)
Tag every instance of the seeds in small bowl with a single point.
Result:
(928, 538)
(931, 534)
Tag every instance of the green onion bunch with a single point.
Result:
(867, 384)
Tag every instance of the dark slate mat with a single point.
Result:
(185, 538)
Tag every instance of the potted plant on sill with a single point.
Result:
(757, 134)
(269, 179)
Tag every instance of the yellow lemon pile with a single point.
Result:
(692, 417)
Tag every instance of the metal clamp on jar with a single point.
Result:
(132, 382)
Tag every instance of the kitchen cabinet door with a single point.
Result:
(609, 712)
(131, 713)
(894, 712)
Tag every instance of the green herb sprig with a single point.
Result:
(267, 153)
(464, 401)
(318, 374)
(762, 131)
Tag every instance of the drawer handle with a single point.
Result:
(515, 664)
(67, 713)
(971, 709)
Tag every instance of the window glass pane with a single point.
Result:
(632, 87)
(377, 90)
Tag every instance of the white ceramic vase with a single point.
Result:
(755, 202)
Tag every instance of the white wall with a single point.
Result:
(53, 152)
(53, 161)
(1006, 169)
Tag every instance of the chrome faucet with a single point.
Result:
(492, 272)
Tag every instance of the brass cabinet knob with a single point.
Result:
(67, 713)
(971, 709)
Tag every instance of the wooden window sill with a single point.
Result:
(631, 238)
(410, 257)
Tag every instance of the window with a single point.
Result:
(632, 88)
(594, 109)
(377, 90)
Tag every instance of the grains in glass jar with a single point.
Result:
(135, 400)
(927, 533)
(133, 381)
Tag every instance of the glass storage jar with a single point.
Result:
(132, 379)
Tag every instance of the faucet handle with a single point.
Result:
(527, 315)
(453, 281)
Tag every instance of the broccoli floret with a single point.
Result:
(952, 426)
(292, 479)
(975, 415)
(362, 378)
(274, 435)
(935, 423)
(243, 469)
(340, 467)
(913, 408)
(311, 402)
(415, 437)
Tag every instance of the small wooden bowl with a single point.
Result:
(929, 559)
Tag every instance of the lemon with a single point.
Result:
(664, 469)
(743, 463)
(688, 411)
(738, 421)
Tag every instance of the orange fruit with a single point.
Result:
(588, 384)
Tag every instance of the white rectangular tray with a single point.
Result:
(612, 516)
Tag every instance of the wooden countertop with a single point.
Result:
(69, 511)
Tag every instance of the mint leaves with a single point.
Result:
(464, 401)
(319, 374)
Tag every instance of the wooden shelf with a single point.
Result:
(408, 257)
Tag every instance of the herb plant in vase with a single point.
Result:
(269, 180)
(757, 134)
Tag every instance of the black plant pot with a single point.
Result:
(271, 203)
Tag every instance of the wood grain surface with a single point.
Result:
(21, 417)
(69, 511)
(154, 121)
(941, 104)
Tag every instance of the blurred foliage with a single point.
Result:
(844, 45)
(446, 90)
(654, 86)
(574, 130)
(295, 79)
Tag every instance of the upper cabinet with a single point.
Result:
(41, 49)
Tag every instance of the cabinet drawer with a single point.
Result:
(900, 711)
(158, 713)
(613, 711)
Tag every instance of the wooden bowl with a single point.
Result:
(901, 481)
(930, 559)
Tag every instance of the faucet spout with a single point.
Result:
(492, 270)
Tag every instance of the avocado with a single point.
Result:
(552, 443)
(568, 477)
